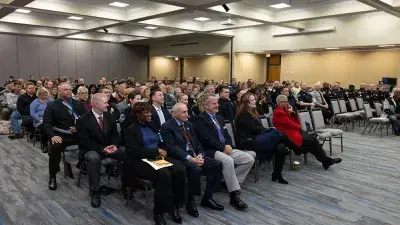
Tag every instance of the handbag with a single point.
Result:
(268, 140)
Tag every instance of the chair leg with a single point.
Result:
(79, 178)
(147, 201)
(330, 146)
(305, 159)
(387, 129)
(372, 126)
(290, 159)
(341, 142)
(365, 128)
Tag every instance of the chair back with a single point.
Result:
(342, 105)
(265, 123)
(368, 111)
(335, 107)
(353, 105)
(270, 110)
(271, 120)
(304, 118)
(229, 128)
(378, 107)
(318, 119)
(360, 103)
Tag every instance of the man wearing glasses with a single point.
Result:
(83, 95)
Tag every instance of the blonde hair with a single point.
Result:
(41, 90)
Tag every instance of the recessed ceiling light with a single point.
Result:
(119, 4)
(22, 11)
(280, 6)
(210, 54)
(384, 46)
(294, 50)
(150, 27)
(75, 18)
(202, 18)
(332, 48)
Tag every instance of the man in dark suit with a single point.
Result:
(159, 115)
(226, 107)
(59, 123)
(23, 106)
(181, 143)
(98, 139)
(236, 164)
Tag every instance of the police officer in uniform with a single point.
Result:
(305, 98)
(383, 93)
(372, 95)
(326, 92)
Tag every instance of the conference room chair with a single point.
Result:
(256, 166)
(341, 116)
(378, 121)
(319, 127)
(72, 150)
(354, 109)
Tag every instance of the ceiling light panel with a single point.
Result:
(280, 6)
(119, 4)
(22, 11)
(75, 18)
(202, 19)
(150, 27)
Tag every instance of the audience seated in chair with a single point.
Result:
(159, 115)
(23, 106)
(12, 98)
(83, 95)
(112, 107)
(391, 108)
(123, 105)
(286, 121)
(142, 141)
(226, 107)
(59, 123)
(320, 102)
(37, 109)
(250, 136)
(98, 139)
(236, 164)
(181, 143)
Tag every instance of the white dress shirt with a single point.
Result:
(160, 114)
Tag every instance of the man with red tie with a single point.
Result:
(98, 136)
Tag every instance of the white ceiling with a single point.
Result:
(49, 18)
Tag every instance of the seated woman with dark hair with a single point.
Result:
(251, 135)
(285, 120)
(142, 141)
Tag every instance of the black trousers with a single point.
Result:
(94, 162)
(28, 123)
(212, 169)
(170, 187)
(311, 145)
(326, 113)
(55, 153)
(44, 138)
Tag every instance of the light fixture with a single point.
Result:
(22, 11)
(280, 6)
(169, 56)
(385, 46)
(332, 48)
(202, 18)
(105, 30)
(119, 4)
(176, 58)
(75, 18)
(226, 7)
(210, 54)
(306, 31)
(150, 27)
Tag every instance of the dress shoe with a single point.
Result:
(53, 183)
(31, 137)
(329, 162)
(176, 217)
(279, 178)
(210, 203)
(191, 209)
(159, 219)
(96, 200)
(236, 202)
(45, 149)
(128, 193)
(15, 136)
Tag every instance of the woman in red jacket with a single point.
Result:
(285, 120)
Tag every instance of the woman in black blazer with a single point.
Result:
(142, 142)
(248, 127)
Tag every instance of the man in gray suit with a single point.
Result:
(320, 102)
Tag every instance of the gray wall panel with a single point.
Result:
(84, 61)
(8, 57)
(67, 58)
(28, 60)
(100, 60)
(48, 57)
(115, 60)
(137, 62)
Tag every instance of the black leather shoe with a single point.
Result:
(96, 200)
(45, 149)
(330, 162)
(159, 219)
(279, 178)
(53, 183)
(191, 209)
(210, 203)
(236, 202)
(176, 217)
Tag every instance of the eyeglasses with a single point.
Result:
(83, 93)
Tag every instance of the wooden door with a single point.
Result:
(274, 73)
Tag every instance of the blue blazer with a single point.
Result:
(174, 141)
(156, 119)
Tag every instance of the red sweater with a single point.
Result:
(288, 124)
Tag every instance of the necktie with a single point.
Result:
(187, 139)
(101, 122)
(161, 115)
(219, 131)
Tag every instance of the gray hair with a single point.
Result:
(96, 97)
(281, 98)
(176, 107)
(82, 89)
(205, 98)
(41, 90)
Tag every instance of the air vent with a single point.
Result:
(182, 44)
